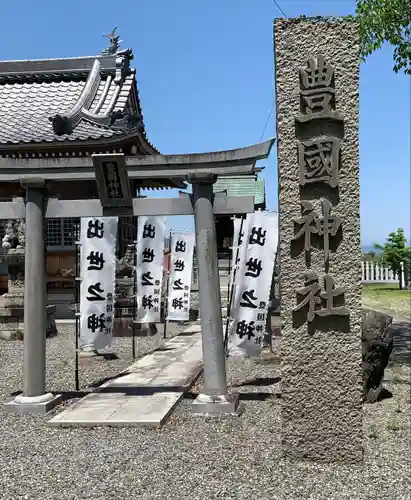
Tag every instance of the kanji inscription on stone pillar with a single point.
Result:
(317, 73)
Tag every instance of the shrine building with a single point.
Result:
(71, 107)
(241, 185)
(76, 107)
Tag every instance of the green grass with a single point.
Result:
(387, 296)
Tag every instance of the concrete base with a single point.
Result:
(35, 404)
(218, 406)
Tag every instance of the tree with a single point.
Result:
(395, 251)
(371, 256)
(386, 21)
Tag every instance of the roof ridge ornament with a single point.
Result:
(114, 43)
(65, 124)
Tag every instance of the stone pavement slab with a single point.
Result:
(194, 328)
(146, 393)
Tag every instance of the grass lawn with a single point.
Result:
(387, 296)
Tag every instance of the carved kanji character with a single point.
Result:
(319, 161)
(317, 93)
(311, 222)
(313, 297)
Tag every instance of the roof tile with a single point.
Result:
(26, 108)
(242, 186)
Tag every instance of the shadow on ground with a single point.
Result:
(259, 381)
(243, 396)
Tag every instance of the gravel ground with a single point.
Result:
(190, 457)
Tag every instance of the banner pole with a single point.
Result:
(133, 328)
(230, 299)
(229, 284)
(77, 315)
(229, 274)
(167, 288)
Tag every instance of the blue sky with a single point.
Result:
(205, 73)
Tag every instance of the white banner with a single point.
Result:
(98, 274)
(253, 284)
(151, 233)
(181, 266)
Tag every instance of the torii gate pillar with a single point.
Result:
(215, 398)
(34, 398)
(200, 170)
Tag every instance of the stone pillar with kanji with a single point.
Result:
(317, 75)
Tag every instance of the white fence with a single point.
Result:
(376, 273)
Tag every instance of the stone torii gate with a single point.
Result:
(200, 170)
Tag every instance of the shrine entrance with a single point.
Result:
(200, 170)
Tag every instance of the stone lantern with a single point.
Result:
(12, 254)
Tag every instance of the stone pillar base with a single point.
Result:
(33, 404)
(218, 406)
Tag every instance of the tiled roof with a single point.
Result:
(242, 186)
(67, 100)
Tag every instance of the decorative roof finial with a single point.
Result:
(114, 43)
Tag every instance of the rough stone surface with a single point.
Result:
(377, 345)
(321, 367)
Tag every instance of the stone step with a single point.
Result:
(145, 394)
